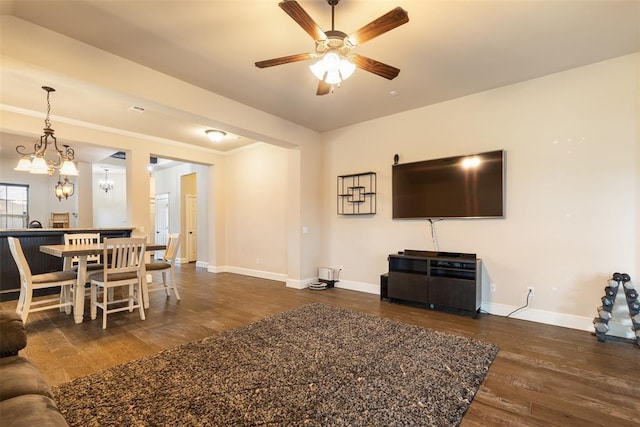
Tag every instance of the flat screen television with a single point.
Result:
(469, 186)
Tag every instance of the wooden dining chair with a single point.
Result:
(66, 280)
(93, 261)
(123, 267)
(159, 270)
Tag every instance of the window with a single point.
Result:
(14, 205)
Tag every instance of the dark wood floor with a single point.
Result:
(542, 376)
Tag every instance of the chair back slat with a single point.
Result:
(124, 255)
(81, 239)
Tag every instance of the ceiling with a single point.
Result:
(448, 49)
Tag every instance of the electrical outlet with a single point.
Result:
(493, 287)
(531, 291)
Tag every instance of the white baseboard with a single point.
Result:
(202, 264)
(300, 284)
(248, 272)
(358, 286)
(619, 327)
(216, 269)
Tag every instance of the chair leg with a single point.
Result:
(166, 285)
(140, 304)
(94, 301)
(105, 301)
(26, 307)
(63, 298)
(145, 291)
(132, 298)
(66, 299)
(21, 299)
(174, 285)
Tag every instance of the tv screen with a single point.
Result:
(454, 187)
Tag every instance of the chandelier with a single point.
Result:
(64, 189)
(36, 162)
(106, 184)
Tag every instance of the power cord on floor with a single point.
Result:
(524, 306)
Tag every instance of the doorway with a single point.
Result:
(162, 220)
(191, 212)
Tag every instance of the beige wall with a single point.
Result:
(63, 61)
(255, 207)
(571, 142)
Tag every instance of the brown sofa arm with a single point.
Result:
(13, 336)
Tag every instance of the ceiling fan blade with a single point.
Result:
(295, 11)
(284, 60)
(386, 22)
(323, 88)
(375, 67)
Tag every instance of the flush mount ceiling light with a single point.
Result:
(36, 161)
(215, 135)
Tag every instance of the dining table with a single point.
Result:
(82, 251)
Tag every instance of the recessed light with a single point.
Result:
(394, 93)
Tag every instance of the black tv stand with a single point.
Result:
(442, 280)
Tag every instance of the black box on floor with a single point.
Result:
(384, 279)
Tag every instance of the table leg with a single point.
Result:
(78, 307)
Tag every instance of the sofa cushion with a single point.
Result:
(14, 336)
(30, 410)
(20, 376)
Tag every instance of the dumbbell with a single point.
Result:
(604, 314)
(617, 277)
(635, 320)
(607, 303)
(610, 291)
(601, 327)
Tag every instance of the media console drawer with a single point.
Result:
(408, 287)
(436, 279)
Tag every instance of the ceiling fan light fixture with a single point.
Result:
(215, 135)
(332, 68)
(346, 68)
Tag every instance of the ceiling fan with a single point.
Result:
(334, 47)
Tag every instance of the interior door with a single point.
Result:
(162, 221)
(192, 228)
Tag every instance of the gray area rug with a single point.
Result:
(316, 365)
